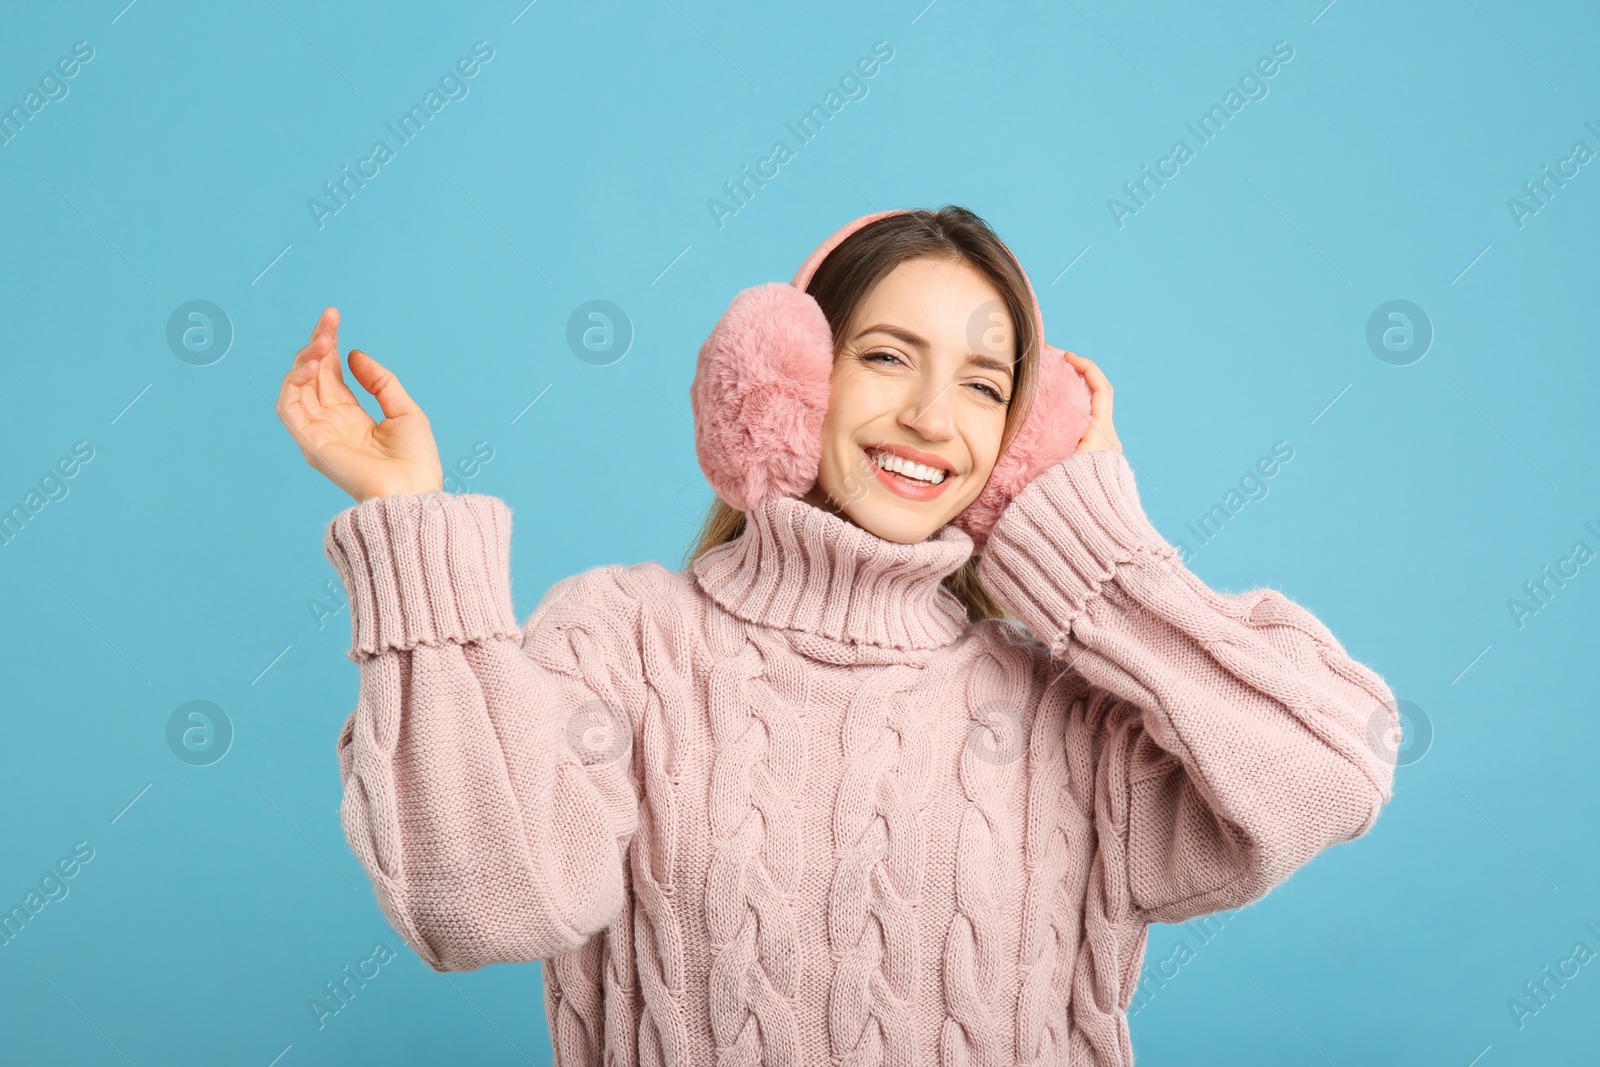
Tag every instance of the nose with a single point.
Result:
(929, 410)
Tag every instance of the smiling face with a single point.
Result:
(918, 398)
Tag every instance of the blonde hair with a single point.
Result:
(842, 281)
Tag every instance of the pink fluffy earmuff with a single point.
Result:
(760, 392)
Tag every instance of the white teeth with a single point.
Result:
(890, 462)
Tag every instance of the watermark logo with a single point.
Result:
(51, 887)
(337, 995)
(51, 89)
(598, 734)
(1158, 972)
(1537, 993)
(322, 610)
(452, 86)
(1204, 129)
(1250, 487)
(1543, 189)
(853, 484)
(1401, 733)
(852, 85)
(199, 733)
(199, 333)
(1399, 332)
(998, 733)
(53, 486)
(989, 330)
(1538, 592)
(468, 467)
(599, 332)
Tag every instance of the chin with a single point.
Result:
(896, 524)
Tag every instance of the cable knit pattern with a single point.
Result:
(877, 881)
(1058, 851)
(659, 1022)
(757, 772)
(789, 807)
(999, 694)
(1212, 691)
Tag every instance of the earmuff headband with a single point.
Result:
(761, 389)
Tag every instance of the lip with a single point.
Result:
(903, 488)
(927, 459)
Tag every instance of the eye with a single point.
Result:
(884, 357)
(880, 354)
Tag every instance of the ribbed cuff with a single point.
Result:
(423, 569)
(1062, 538)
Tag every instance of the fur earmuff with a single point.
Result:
(760, 393)
(1054, 425)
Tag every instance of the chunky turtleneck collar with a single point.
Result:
(798, 567)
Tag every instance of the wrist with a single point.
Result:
(423, 570)
(1064, 537)
(406, 488)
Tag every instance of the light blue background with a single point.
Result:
(1230, 313)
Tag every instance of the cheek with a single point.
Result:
(987, 428)
(853, 402)
(843, 474)
(836, 427)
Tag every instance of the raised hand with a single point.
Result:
(336, 435)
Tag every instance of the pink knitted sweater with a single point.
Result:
(789, 807)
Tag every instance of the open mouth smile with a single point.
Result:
(906, 477)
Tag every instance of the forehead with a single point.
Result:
(944, 300)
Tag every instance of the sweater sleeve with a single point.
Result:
(487, 767)
(1232, 737)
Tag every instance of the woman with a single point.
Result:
(816, 798)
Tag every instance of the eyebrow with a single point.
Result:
(916, 340)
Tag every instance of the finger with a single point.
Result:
(324, 335)
(1100, 402)
(319, 345)
(1100, 391)
(303, 373)
(329, 383)
(383, 385)
(336, 370)
(297, 396)
(327, 322)
(1090, 369)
